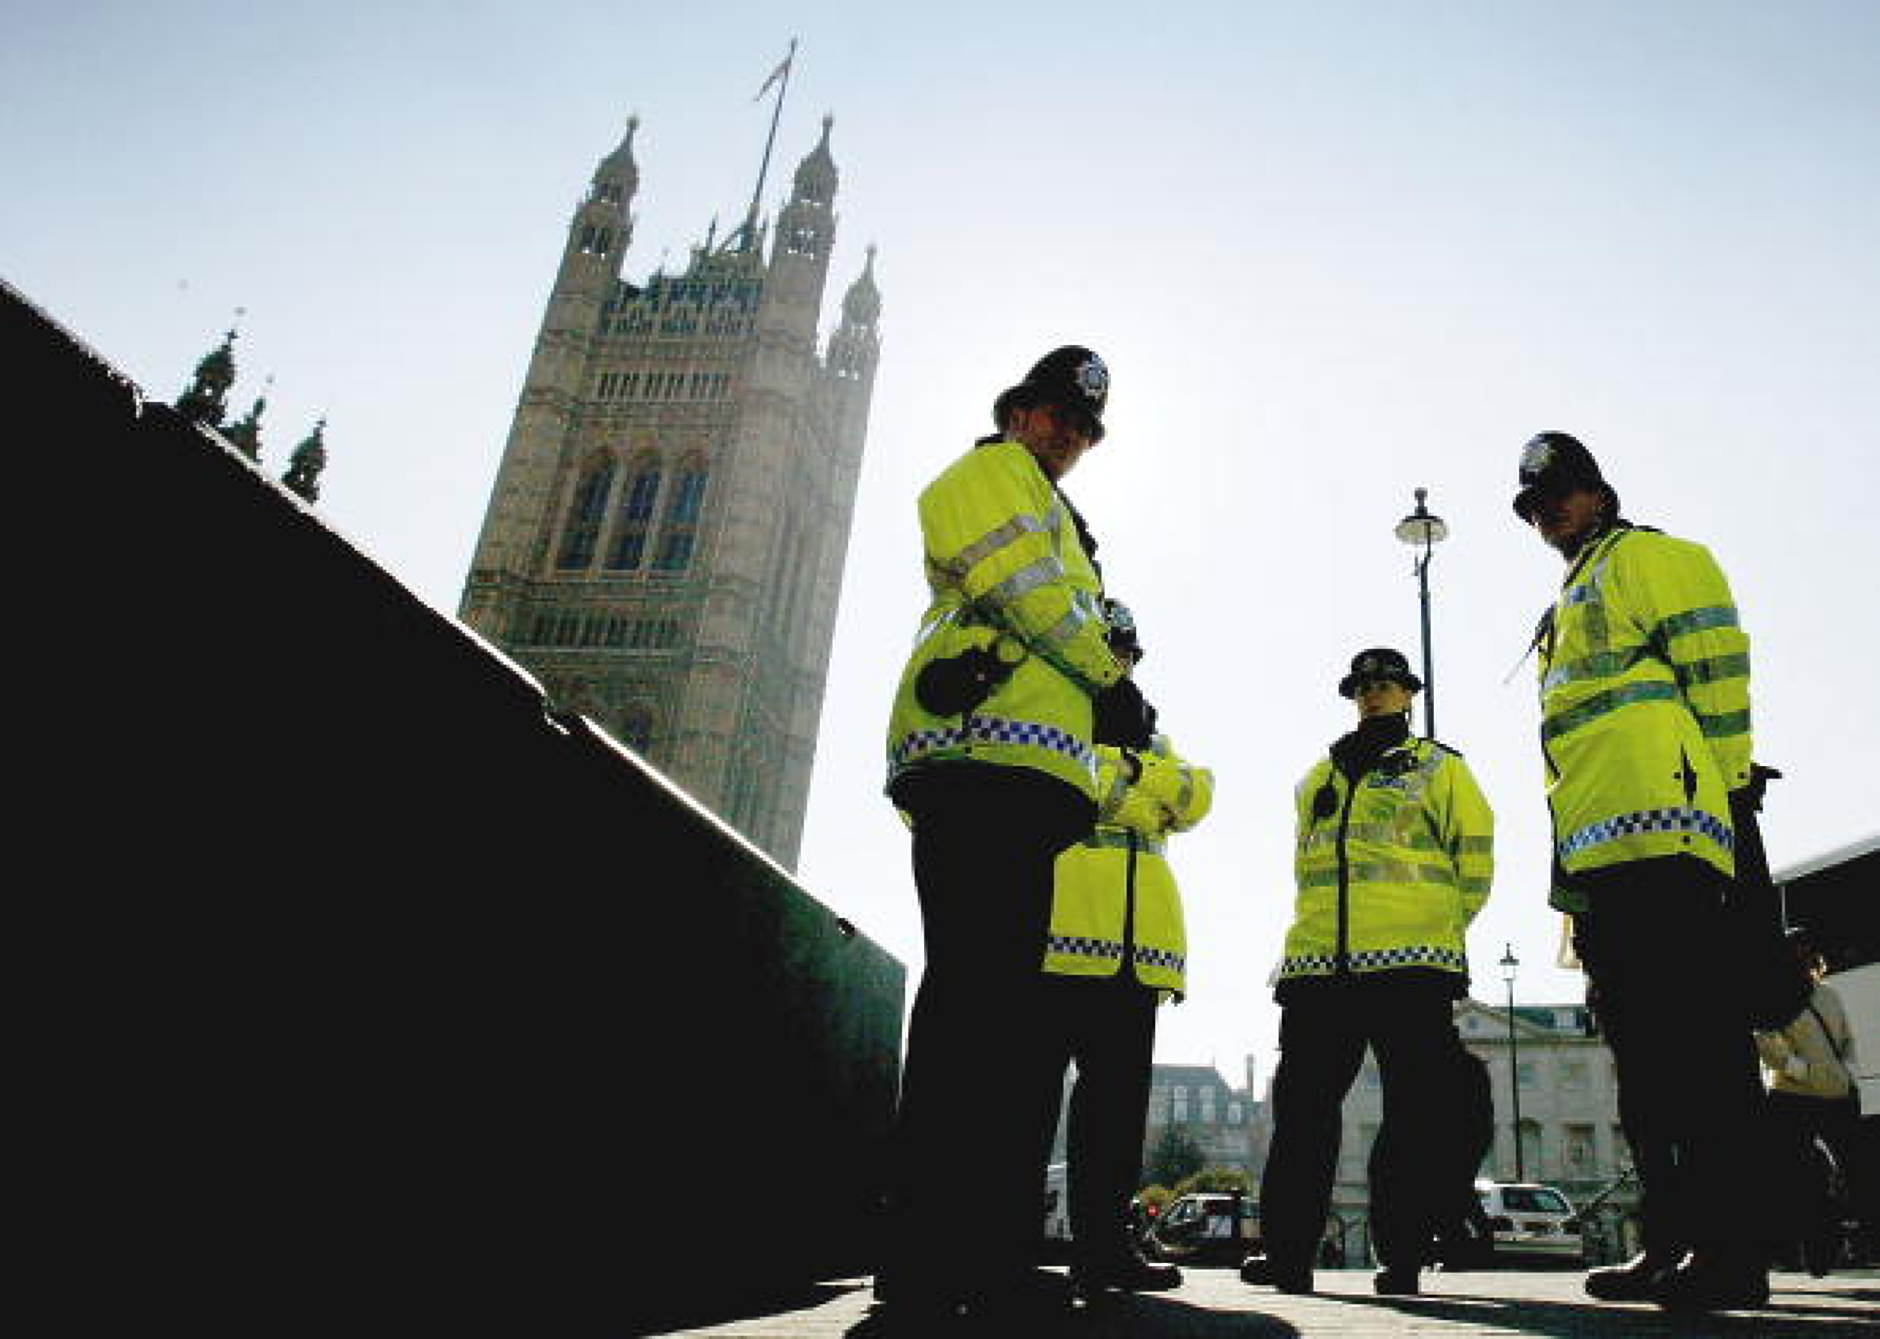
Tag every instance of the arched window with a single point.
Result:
(636, 517)
(585, 514)
(682, 513)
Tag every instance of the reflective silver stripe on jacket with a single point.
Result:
(1599, 665)
(1111, 839)
(1001, 536)
(1380, 871)
(1384, 834)
(1185, 795)
(1083, 610)
(1600, 704)
(1724, 724)
(1113, 799)
(1714, 670)
(1695, 620)
(1023, 582)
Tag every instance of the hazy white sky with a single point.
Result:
(1331, 251)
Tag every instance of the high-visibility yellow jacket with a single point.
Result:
(1115, 898)
(1394, 874)
(1644, 684)
(1007, 570)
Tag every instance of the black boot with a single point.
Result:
(1125, 1270)
(1282, 1272)
(1715, 1283)
(1638, 1280)
(1394, 1281)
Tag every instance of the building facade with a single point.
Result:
(1223, 1121)
(666, 535)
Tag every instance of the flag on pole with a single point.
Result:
(778, 73)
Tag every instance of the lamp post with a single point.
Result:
(1422, 527)
(1508, 965)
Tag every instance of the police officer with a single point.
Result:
(1645, 731)
(1117, 948)
(1393, 860)
(990, 759)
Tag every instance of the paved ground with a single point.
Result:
(1215, 1304)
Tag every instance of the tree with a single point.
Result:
(1216, 1180)
(1174, 1157)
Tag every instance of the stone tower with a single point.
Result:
(666, 536)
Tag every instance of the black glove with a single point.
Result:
(1750, 796)
(1124, 718)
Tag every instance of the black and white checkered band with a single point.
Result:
(994, 730)
(1109, 950)
(1167, 959)
(1649, 820)
(1083, 946)
(1376, 960)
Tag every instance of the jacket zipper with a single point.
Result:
(1129, 911)
(1550, 627)
(1341, 963)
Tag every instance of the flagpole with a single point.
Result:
(789, 63)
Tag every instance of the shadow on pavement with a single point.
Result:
(1139, 1317)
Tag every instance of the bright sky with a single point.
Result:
(1331, 251)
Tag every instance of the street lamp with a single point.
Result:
(1421, 527)
(1508, 965)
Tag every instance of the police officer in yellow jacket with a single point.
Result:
(1393, 860)
(1117, 947)
(991, 760)
(1645, 735)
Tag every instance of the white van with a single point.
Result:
(1531, 1219)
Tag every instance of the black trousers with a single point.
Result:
(1407, 1019)
(1793, 1121)
(1665, 987)
(966, 1188)
(1106, 1026)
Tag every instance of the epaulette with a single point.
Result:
(1439, 744)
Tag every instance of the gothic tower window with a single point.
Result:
(681, 529)
(636, 518)
(584, 517)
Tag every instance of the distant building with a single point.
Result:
(667, 532)
(1223, 1121)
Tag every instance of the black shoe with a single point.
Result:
(1711, 1284)
(1638, 1280)
(1263, 1271)
(1821, 1252)
(1126, 1273)
(1035, 1297)
(1393, 1282)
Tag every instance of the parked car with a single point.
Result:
(1215, 1227)
(1531, 1219)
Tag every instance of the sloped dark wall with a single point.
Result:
(377, 998)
